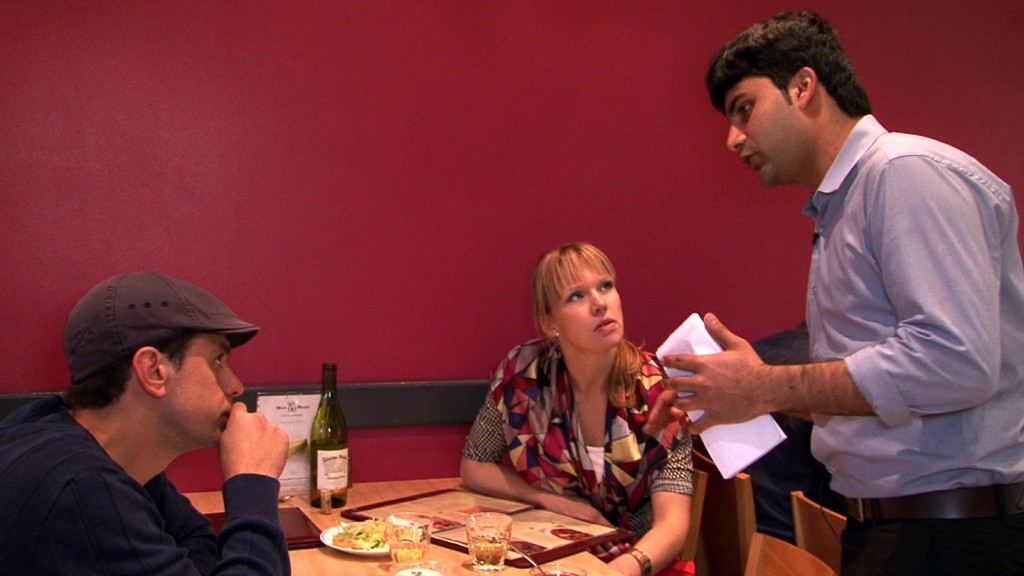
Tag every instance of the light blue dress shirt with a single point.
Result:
(916, 281)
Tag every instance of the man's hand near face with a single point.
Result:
(251, 444)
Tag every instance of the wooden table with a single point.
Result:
(324, 561)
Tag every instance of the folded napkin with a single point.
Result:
(733, 447)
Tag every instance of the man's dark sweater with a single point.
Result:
(67, 508)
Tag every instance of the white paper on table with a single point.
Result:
(294, 414)
(733, 447)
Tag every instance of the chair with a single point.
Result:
(725, 538)
(770, 556)
(817, 529)
(700, 486)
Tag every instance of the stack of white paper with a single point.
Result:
(733, 447)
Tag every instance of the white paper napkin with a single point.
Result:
(733, 447)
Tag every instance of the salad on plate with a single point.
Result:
(364, 538)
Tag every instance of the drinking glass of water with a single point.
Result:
(488, 534)
(408, 536)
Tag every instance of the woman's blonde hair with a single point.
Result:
(555, 270)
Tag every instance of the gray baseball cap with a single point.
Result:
(129, 311)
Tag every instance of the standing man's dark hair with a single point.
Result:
(777, 48)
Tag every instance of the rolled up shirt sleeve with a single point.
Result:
(920, 246)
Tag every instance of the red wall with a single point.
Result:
(371, 182)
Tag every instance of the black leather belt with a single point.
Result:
(980, 502)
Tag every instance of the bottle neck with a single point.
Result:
(329, 379)
(328, 388)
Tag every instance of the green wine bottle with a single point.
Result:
(328, 444)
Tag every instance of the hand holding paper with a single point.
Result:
(733, 447)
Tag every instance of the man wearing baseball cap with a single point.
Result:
(82, 482)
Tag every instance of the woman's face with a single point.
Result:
(587, 316)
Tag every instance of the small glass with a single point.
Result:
(408, 536)
(488, 534)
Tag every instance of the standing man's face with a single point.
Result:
(768, 132)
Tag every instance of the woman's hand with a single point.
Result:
(497, 480)
(664, 412)
(572, 506)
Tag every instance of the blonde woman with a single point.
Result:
(561, 427)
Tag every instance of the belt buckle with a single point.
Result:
(855, 509)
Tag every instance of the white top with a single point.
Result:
(596, 454)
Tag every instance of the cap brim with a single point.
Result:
(239, 336)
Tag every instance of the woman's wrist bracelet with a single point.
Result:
(644, 560)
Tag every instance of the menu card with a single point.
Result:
(294, 414)
(542, 534)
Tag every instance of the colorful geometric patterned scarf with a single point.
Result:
(546, 448)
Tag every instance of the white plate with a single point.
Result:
(327, 537)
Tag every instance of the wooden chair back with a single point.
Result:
(770, 556)
(700, 486)
(818, 529)
(728, 522)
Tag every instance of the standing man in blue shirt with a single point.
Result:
(915, 309)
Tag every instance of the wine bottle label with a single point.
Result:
(332, 469)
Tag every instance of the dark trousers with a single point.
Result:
(982, 546)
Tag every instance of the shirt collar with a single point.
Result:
(863, 135)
